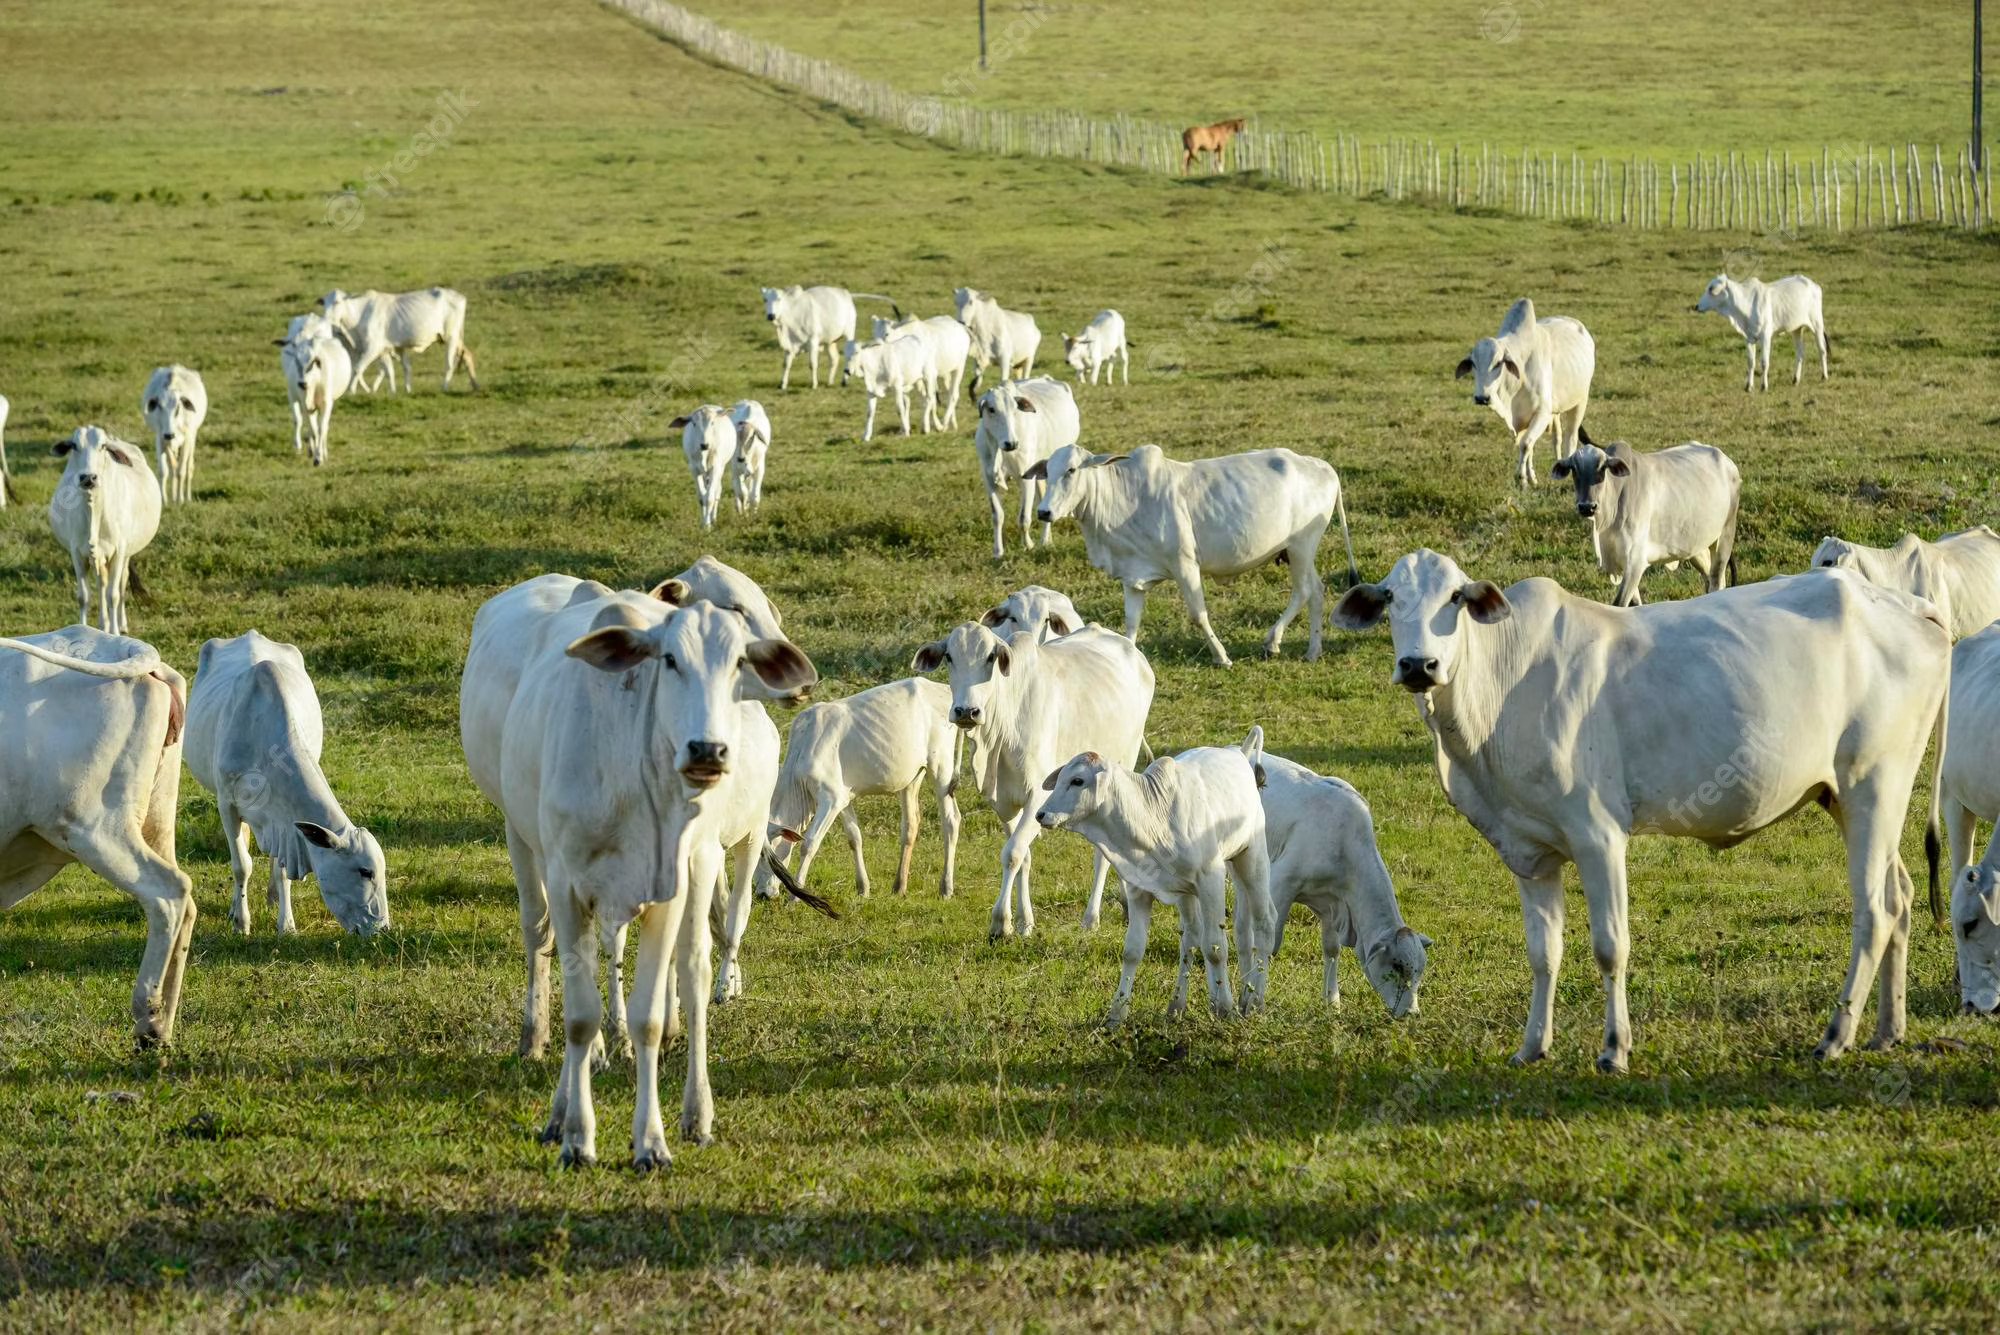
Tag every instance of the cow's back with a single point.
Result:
(1572, 360)
(251, 700)
(1970, 563)
(508, 631)
(1247, 507)
(1091, 690)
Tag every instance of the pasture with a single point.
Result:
(915, 1128)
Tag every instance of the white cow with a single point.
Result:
(1960, 572)
(1534, 373)
(1564, 727)
(1674, 505)
(7, 492)
(753, 444)
(254, 736)
(319, 371)
(105, 512)
(1021, 423)
(1323, 855)
(1000, 337)
(1148, 519)
(379, 324)
(626, 756)
(1761, 311)
(873, 743)
(1101, 343)
(893, 366)
(710, 581)
(807, 319)
(709, 440)
(175, 405)
(90, 771)
(1035, 610)
(1969, 791)
(950, 344)
(1176, 833)
(1027, 707)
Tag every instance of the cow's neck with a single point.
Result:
(1102, 508)
(1371, 904)
(1132, 826)
(1462, 716)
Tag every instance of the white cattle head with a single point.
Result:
(1068, 474)
(700, 663)
(974, 659)
(710, 581)
(1599, 475)
(857, 357)
(1395, 968)
(1077, 789)
(778, 299)
(1836, 552)
(1975, 921)
(1719, 295)
(353, 876)
(169, 413)
(963, 297)
(1427, 598)
(708, 438)
(1002, 410)
(1035, 610)
(92, 452)
(1076, 352)
(1494, 371)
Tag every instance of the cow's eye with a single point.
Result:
(667, 661)
(1457, 596)
(743, 662)
(1965, 928)
(1826, 565)
(1076, 782)
(992, 658)
(365, 873)
(152, 405)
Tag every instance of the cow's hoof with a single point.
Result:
(1611, 1063)
(651, 1159)
(1883, 1042)
(695, 1136)
(1527, 1057)
(574, 1156)
(550, 1134)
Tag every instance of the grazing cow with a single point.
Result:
(1000, 337)
(1034, 610)
(753, 443)
(1199, 139)
(1176, 833)
(175, 405)
(950, 344)
(319, 371)
(1101, 343)
(1534, 373)
(807, 319)
(379, 324)
(873, 743)
(1323, 855)
(254, 735)
(1021, 423)
(1960, 572)
(105, 511)
(1674, 505)
(7, 492)
(1969, 791)
(1761, 311)
(709, 439)
(1563, 728)
(625, 755)
(90, 771)
(1147, 518)
(1028, 706)
(893, 366)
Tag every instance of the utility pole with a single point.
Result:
(1975, 58)
(1978, 81)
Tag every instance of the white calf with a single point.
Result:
(105, 511)
(950, 344)
(319, 371)
(1101, 343)
(1021, 423)
(1534, 373)
(1761, 311)
(379, 324)
(893, 366)
(175, 405)
(709, 439)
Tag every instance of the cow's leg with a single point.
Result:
(830, 805)
(1799, 353)
(645, 1019)
(1601, 868)
(812, 352)
(1958, 836)
(1000, 520)
(1891, 1007)
(903, 408)
(1135, 610)
(537, 940)
(1764, 344)
(1542, 914)
(1189, 580)
(695, 970)
(1305, 580)
(1331, 938)
(1125, 362)
(1256, 921)
(121, 856)
(1013, 868)
(851, 824)
(868, 427)
(1750, 385)
(1819, 333)
(736, 916)
(298, 429)
(100, 571)
(785, 380)
(236, 833)
(616, 1035)
(944, 778)
(409, 380)
(281, 897)
(1138, 921)
(1628, 584)
(912, 815)
(1185, 955)
(82, 588)
(572, 1119)
(1031, 493)
(1210, 907)
(1093, 907)
(1871, 837)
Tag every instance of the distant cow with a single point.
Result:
(1148, 519)
(90, 772)
(1760, 311)
(105, 512)
(950, 344)
(1960, 572)
(1534, 373)
(318, 361)
(385, 325)
(1100, 344)
(175, 405)
(1969, 791)
(807, 319)
(1000, 337)
(1675, 505)
(893, 367)
(753, 446)
(1021, 423)
(709, 440)
(1199, 139)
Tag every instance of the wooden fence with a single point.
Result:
(1734, 191)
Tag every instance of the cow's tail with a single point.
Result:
(1583, 437)
(877, 296)
(7, 481)
(1340, 509)
(120, 671)
(1145, 750)
(794, 889)
(1933, 844)
(135, 585)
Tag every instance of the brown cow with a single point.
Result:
(1199, 139)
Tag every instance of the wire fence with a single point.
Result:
(1856, 188)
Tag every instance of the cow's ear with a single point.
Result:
(1024, 403)
(123, 456)
(1003, 659)
(672, 591)
(1058, 624)
(929, 657)
(1562, 468)
(1049, 784)
(613, 648)
(1361, 607)
(317, 835)
(682, 420)
(1482, 598)
(1618, 467)
(62, 447)
(993, 616)
(1037, 471)
(1464, 369)
(1507, 365)
(782, 667)
(280, 342)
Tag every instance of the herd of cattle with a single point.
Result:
(625, 735)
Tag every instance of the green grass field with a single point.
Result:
(914, 1128)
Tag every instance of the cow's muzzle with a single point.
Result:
(770, 317)
(1048, 820)
(965, 716)
(1009, 446)
(1483, 400)
(1588, 509)
(1045, 516)
(707, 762)
(1416, 674)
(87, 481)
